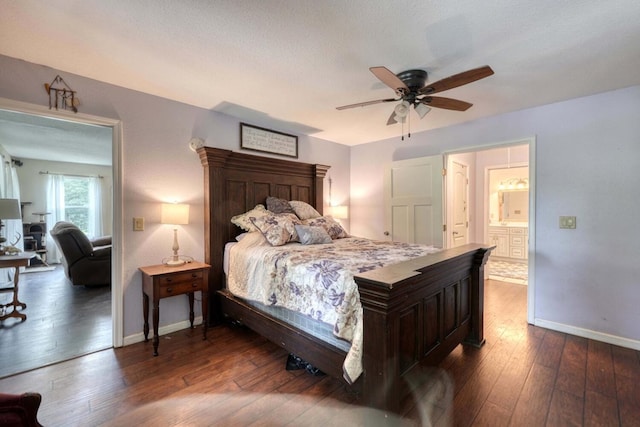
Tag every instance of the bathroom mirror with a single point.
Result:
(514, 206)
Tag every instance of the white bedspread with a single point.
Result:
(316, 280)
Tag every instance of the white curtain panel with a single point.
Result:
(55, 205)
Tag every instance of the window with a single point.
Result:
(76, 202)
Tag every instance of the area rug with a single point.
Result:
(512, 272)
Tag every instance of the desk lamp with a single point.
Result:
(175, 214)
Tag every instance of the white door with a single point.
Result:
(413, 201)
(460, 216)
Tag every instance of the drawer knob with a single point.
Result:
(195, 285)
(169, 280)
(169, 289)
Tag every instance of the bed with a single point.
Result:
(413, 313)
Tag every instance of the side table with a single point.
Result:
(16, 261)
(162, 281)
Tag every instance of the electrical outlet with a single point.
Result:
(567, 222)
(138, 224)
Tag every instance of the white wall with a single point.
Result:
(587, 165)
(158, 166)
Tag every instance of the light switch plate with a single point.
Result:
(138, 224)
(567, 222)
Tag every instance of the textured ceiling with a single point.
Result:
(297, 60)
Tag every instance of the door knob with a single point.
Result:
(386, 233)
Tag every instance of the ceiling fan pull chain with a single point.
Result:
(409, 124)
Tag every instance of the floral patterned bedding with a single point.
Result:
(316, 280)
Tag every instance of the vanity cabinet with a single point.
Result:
(510, 242)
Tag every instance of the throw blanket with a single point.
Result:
(316, 280)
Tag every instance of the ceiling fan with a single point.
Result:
(411, 88)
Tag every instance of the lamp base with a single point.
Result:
(175, 262)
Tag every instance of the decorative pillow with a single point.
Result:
(304, 210)
(312, 235)
(278, 206)
(277, 229)
(333, 228)
(244, 220)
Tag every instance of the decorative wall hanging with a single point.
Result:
(61, 96)
(260, 139)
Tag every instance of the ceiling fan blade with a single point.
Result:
(387, 77)
(446, 103)
(364, 104)
(457, 80)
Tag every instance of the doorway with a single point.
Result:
(35, 112)
(496, 230)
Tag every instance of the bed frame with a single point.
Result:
(415, 312)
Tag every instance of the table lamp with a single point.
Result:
(9, 209)
(175, 214)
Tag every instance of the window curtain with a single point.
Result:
(12, 230)
(55, 205)
(95, 208)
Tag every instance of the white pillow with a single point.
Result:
(304, 210)
(244, 220)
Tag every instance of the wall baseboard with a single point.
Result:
(587, 333)
(163, 330)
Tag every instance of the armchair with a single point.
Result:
(20, 410)
(85, 262)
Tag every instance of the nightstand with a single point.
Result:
(162, 281)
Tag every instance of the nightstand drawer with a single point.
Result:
(180, 288)
(174, 279)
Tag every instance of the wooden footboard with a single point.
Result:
(417, 312)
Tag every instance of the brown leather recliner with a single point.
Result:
(85, 262)
(20, 410)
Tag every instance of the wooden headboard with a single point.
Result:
(236, 182)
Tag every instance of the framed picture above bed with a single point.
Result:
(268, 141)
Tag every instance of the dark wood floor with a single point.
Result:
(523, 376)
(63, 321)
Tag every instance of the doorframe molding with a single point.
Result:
(531, 141)
(117, 302)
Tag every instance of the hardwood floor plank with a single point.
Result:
(533, 403)
(628, 392)
(507, 389)
(572, 371)
(566, 409)
(476, 390)
(551, 349)
(600, 373)
(600, 410)
(492, 415)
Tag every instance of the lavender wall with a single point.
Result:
(587, 161)
(157, 165)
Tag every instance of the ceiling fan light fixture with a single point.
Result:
(402, 110)
(422, 109)
(400, 119)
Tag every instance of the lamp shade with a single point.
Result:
(339, 212)
(10, 209)
(174, 213)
